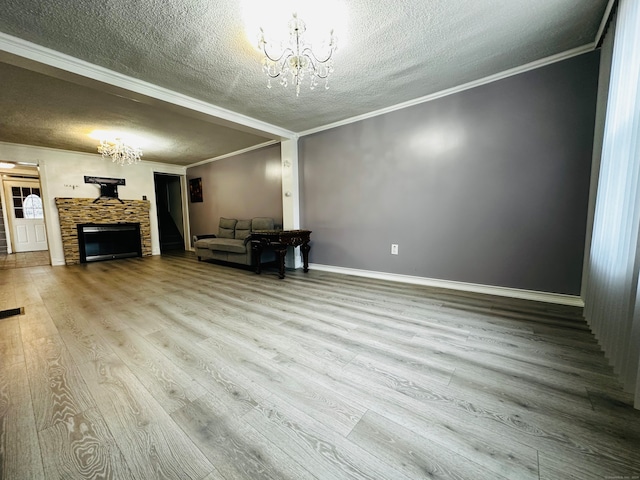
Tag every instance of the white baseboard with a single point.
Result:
(555, 298)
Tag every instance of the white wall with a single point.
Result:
(62, 175)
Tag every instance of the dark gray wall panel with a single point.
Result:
(486, 186)
(244, 186)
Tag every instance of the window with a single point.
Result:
(33, 207)
(27, 202)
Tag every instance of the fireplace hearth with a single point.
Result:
(86, 211)
(109, 241)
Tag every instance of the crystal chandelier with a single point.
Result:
(119, 152)
(298, 59)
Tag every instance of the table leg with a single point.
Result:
(305, 255)
(257, 252)
(282, 252)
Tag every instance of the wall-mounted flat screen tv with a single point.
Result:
(108, 186)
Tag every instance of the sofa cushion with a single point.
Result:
(226, 228)
(204, 243)
(229, 245)
(243, 229)
(262, 223)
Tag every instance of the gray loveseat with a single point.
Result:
(232, 243)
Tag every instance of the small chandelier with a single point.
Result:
(298, 59)
(119, 152)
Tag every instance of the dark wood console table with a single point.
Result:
(279, 240)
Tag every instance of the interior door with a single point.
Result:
(26, 215)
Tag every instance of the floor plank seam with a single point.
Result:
(516, 393)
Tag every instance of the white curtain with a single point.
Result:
(612, 294)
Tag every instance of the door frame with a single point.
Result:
(184, 192)
(8, 216)
(5, 218)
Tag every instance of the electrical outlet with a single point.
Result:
(394, 249)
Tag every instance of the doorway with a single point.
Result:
(170, 213)
(25, 215)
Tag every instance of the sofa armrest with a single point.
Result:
(249, 238)
(200, 237)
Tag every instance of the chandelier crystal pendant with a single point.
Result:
(119, 152)
(298, 59)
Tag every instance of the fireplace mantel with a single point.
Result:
(75, 211)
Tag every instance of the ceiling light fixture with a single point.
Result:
(7, 165)
(298, 59)
(119, 152)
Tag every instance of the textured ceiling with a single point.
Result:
(392, 52)
(60, 114)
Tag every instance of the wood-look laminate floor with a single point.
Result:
(24, 259)
(169, 368)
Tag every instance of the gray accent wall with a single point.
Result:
(487, 186)
(243, 186)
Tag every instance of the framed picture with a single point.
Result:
(195, 190)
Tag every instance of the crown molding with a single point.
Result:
(605, 21)
(52, 58)
(170, 168)
(55, 59)
(460, 88)
(233, 154)
(33, 154)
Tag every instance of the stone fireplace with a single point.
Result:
(77, 211)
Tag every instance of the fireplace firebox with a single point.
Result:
(100, 241)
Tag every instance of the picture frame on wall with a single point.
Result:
(195, 190)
